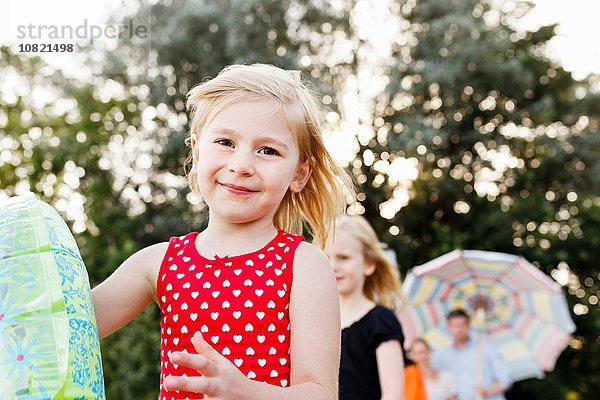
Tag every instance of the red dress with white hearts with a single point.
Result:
(239, 303)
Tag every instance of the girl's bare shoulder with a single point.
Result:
(146, 262)
(311, 263)
(308, 253)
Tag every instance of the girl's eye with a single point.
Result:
(224, 142)
(269, 151)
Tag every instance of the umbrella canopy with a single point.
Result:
(526, 314)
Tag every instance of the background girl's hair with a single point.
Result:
(419, 340)
(324, 196)
(383, 285)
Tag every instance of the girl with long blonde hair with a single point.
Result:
(372, 360)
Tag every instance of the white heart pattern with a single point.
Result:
(257, 281)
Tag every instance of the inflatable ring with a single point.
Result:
(49, 344)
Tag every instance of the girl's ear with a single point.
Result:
(193, 143)
(369, 268)
(301, 177)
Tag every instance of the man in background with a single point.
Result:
(479, 370)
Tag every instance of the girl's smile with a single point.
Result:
(237, 190)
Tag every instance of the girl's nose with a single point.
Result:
(242, 163)
(334, 265)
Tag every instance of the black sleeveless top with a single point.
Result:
(359, 377)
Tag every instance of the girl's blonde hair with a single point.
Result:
(418, 340)
(383, 285)
(324, 196)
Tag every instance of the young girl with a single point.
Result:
(438, 385)
(248, 309)
(371, 359)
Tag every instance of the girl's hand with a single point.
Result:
(220, 379)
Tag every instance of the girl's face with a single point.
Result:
(420, 353)
(246, 160)
(349, 265)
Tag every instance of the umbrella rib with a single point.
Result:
(478, 288)
(506, 273)
(537, 317)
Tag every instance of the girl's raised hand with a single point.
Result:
(220, 379)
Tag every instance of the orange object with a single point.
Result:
(414, 387)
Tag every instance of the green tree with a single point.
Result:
(503, 140)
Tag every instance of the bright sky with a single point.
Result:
(56, 12)
(576, 44)
(18, 15)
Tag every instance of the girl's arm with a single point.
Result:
(390, 365)
(316, 336)
(129, 290)
(315, 344)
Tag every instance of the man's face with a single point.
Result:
(459, 328)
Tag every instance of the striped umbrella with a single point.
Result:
(526, 314)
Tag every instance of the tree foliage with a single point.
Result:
(503, 140)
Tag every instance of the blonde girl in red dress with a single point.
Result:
(248, 309)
